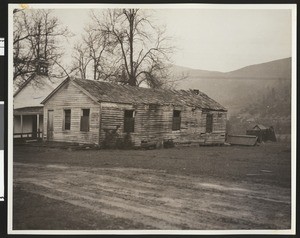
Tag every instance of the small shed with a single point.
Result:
(262, 132)
(114, 115)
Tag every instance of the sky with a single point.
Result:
(211, 39)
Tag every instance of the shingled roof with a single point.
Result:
(116, 93)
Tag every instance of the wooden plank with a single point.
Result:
(242, 140)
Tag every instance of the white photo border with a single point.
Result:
(292, 7)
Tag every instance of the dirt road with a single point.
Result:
(156, 199)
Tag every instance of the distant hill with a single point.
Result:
(247, 92)
(234, 89)
(196, 72)
(277, 69)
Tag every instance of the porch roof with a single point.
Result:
(29, 111)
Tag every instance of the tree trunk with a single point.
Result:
(95, 70)
(132, 80)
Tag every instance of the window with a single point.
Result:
(85, 120)
(153, 106)
(209, 123)
(67, 117)
(176, 120)
(128, 121)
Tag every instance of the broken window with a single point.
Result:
(209, 123)
(176, 120)
(129, 121)
(85, 120)
(153, 106)
(67, 119)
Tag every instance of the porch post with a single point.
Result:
(38, 125)
(21, 125)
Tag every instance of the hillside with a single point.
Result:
(234, 89)
(254, 93)
(277, 69)
(177, 70)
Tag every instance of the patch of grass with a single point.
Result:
(36, 212)
(230, 162)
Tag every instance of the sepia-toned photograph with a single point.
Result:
(152, 119)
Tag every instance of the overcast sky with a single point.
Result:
(214, 39)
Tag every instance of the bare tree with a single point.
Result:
(97, 44)
(22, 56)
(81, 60)
(93, 55)
(140, 49)
(36, 41)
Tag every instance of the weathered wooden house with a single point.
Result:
(112, 115)
(28, 110)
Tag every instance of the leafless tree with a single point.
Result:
(138, 51)
(81, 60)
(93, 55)
(37, 35)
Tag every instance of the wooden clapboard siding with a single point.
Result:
(193, 127)
(217, 136)
(154, 123)
(219, 121)
(112, 119)
(70, 97)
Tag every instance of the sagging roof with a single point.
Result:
(116, 93)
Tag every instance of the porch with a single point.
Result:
(28, 123)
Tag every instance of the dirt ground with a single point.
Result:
(196, 188)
